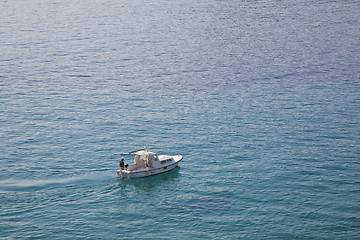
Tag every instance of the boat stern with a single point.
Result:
(122, 173)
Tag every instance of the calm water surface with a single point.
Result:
(262, 98)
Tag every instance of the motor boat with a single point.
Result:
(148, 163)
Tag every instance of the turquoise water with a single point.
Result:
(260, 97)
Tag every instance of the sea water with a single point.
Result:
(261, 98)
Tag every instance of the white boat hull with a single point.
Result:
(150, 171)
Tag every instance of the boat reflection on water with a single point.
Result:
(149, 184)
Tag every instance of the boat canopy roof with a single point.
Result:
(144, 157)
